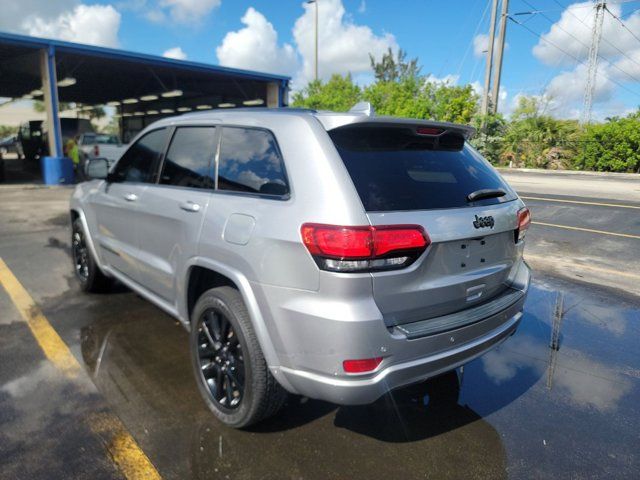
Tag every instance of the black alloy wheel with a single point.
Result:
(221, 359)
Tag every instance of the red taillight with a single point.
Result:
(96, 151)
(360, 248)
(361, 366)
(524, 220)
(337, 242)
(428, 131)
(388, 239)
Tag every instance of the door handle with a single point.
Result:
(190, 206)
(131, 197)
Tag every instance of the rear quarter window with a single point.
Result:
(395, 169)
(250, 162)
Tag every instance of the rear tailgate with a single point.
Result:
(462, 267)
(410, 175)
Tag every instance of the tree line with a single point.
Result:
(530, 137)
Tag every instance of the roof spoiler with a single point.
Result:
(363, 108)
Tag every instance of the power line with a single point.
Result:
(567, 53)
(464, 58)
(533, 12)
(622, 23)
(568, 10)
(634, 79)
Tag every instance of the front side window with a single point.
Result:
(250, 162)
(189, 161)
(139, 162)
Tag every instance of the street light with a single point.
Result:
(316, 37)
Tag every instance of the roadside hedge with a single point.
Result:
(530, 137)
(613, 146)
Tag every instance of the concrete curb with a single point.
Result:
(34, 186)
(569, 172)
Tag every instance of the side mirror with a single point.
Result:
(97, 168)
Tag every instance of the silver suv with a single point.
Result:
(332, 255)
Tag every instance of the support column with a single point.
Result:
(489, 65)
(495, 88)
(273, 95)
(50, 90)
(284, 93)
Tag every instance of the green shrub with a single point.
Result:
(613, 146)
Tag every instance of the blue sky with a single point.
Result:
(276, 36)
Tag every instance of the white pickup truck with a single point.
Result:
(94, 145)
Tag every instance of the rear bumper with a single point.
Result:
(362, 391)
(315, 338)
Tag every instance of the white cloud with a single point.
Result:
(362, 7)
(629, 63)
(578, 379)
(62, 19)
(187, 11)
(155, 15)
(481, 44)
(572, 33)
(15, 13)
(90, 24)
(569, 86)
(175, 52)
(344, 47)
(449, 79)
(255, 47)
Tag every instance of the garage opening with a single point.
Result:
(71, 81)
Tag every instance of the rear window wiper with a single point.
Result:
(485, 193)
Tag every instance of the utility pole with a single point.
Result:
(504, 16)
(596, 35)
(316, 38)
(484, 109)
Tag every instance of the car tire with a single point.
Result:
(86, 269)
(230, 369)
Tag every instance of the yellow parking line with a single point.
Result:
(580, 202)
(589, 230)
(48, 339)
(122, 448)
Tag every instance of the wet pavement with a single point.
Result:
(524, 410)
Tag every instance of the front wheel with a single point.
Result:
(85, 267)
(230, 370)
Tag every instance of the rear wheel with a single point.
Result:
(85, 267)
(230, 370)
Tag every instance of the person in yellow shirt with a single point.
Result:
(74, 154)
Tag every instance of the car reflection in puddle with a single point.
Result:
(522, 410)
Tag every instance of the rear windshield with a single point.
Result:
(395, 169)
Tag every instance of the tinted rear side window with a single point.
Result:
(250, 162)
(189, 160)
(395, 169)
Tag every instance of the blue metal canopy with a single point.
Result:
(142, 87)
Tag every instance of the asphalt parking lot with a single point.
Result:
(114, 397)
